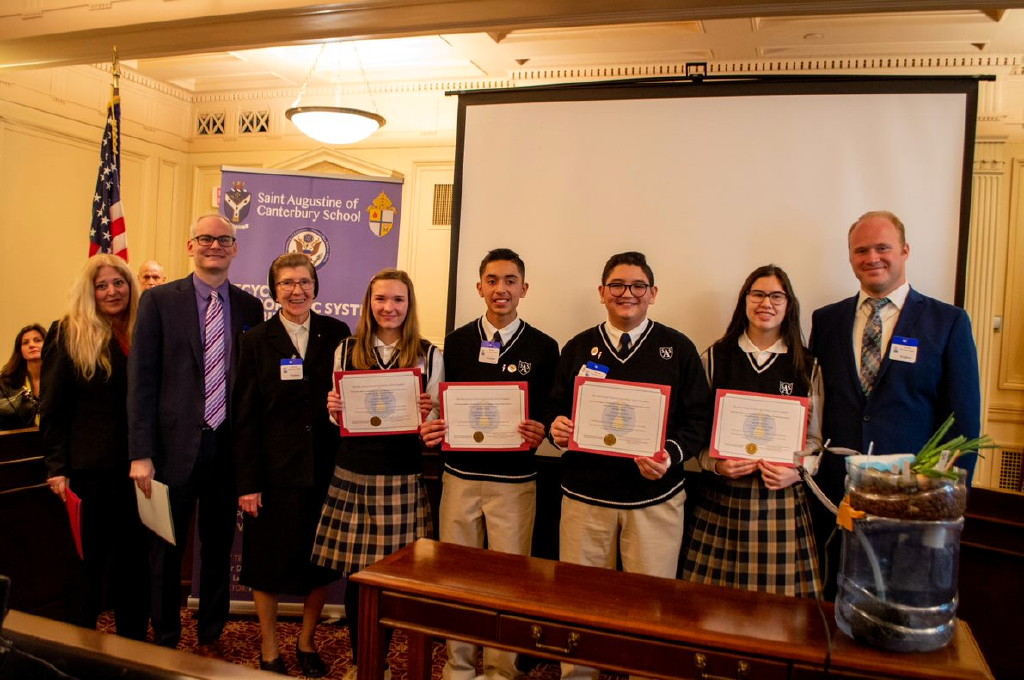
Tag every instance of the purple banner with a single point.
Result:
(349, 226)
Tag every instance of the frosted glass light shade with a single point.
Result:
(334, 124)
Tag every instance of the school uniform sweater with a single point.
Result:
(529, 356)
(661, 356)
(387, 454)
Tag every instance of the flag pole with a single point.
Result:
(107, 228)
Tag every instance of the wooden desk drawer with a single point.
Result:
(623, 653)
(438, 618)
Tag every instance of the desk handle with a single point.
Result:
(570, 644)
(701, 662)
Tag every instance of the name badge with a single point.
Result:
(489, 352)
(291, 369)
(903, 349)
(592, 370)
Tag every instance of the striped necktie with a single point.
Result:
(871, 345)
(214, 374)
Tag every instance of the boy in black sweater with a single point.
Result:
(489, 497)
(616, 506)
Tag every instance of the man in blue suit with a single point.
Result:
(180, 371)
(925, 366)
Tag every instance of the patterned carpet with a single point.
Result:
(241, 645)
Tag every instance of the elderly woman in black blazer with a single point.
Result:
(284, 454)
(83, 419)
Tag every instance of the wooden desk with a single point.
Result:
(626, 623)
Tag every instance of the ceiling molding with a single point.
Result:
(363, 19)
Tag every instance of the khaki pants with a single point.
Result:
(492, 515)
(647, 540)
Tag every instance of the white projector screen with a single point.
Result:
(710, 181)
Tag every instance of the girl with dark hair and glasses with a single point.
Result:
(752, 526)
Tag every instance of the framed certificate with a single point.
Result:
(483, 416)
(750, 425)
(617, 418)
(379, 402)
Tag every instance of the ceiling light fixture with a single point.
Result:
(334, 124)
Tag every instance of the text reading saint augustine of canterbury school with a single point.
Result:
(311, 208)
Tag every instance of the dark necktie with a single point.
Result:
(497, 338)
(214, 375)
(871, 345)
(624, 345)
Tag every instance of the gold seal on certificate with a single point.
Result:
(609, 439)
(483, 416)
(769, 426)
(379, 402)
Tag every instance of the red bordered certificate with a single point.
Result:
(483, 416)
(751, 425)
(618, 418)
(379, 402)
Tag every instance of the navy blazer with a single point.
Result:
(910, 400)
(283, 434)
(165, 375)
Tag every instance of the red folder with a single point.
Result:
(74, 505)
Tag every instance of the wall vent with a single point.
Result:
(1008, 466)
(253, 122)
(443, 205)
(210, 124)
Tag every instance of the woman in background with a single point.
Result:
(377, 503)
(284, 456)
(752, 526)
(84, 424)
(19, 380)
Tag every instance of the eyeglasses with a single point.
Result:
(619, 289)
(207, 240)
(778, 298)
(288, 284)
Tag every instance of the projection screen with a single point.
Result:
(709, 180)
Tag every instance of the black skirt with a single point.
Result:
(277, 543)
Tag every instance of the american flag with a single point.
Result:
(107, 234)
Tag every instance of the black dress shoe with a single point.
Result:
(310, 663)
(275, 666)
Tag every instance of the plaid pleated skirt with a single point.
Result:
(365, 518)
(747, 536)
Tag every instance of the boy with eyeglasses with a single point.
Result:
(620, 507)
(489, 497)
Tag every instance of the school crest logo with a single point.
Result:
(525, 366)
(236, 202)
(382, 215)
(665, 352)
(311, 242)
(786, 388)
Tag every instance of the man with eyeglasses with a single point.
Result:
(618, 507)
(895, 363)
(180, 373)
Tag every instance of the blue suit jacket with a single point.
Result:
(165, 375)
(910, 400)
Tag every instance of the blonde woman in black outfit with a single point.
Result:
(84, 424)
